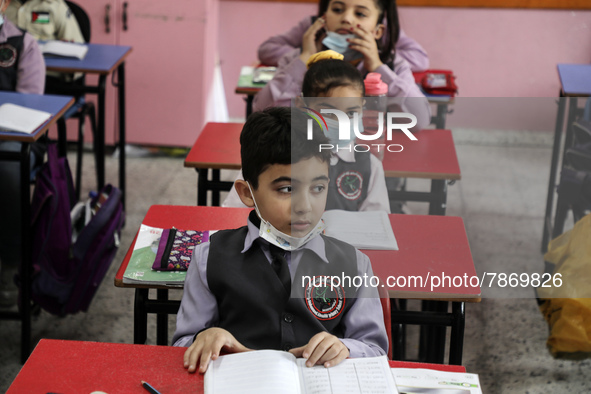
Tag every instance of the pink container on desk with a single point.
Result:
(375, 103)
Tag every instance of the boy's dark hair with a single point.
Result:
(278, 135)
(389, 12)
(325, 75)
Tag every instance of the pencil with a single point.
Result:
(149, 388)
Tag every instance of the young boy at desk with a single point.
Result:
(243, 291)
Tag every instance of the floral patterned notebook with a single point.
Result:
(176, 248)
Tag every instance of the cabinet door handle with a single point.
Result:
(108, 18)
(125, 16)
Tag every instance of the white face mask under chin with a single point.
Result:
(275, 237)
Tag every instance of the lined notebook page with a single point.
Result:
(263, 371)
(352, 376)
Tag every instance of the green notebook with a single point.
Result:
(139, 270)
(247, 73)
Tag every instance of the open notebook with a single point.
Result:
(364, 230)
(21, 119)
(272, 371)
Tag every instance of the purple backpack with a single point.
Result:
(70, 257)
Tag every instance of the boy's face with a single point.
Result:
(292, 197)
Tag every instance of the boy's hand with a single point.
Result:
(207, 346)
(323, 349)
(310, 43)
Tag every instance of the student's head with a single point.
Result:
(287, 173)
(331, 83)
(332, 78)
(341, 15)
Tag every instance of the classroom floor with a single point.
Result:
(501, 198)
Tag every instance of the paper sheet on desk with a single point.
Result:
(64, 49)
(419, 380)
(21, 119)
(364, 230)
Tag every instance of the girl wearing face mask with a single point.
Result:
(357, 180)
(274, 48)
(356, 29)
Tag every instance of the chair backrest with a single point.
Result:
(385, 299)
(82, 19)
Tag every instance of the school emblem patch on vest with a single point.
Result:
(7, 55)
(349, 184)
(40, 17)
(324, 301)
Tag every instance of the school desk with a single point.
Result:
(575, 82)
(432, 156)
(57, 106)
(428, 245)
(246, 86)
(59, 366)
(101, 60)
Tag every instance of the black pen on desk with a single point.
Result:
(149, 388)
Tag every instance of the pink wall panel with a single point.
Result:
(494, 52)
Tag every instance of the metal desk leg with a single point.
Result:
(162, 320)
(140, 317)
(249, 99)
(26, 256)
(553, 170)
(215, 194)
(122, 130)
(100, 137)
(398, 331)
(441, 116)
(202, 186)
(456, 343)
(432, 339)
(61, 137)
(438, 198)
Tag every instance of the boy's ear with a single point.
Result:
(244, 192)
(380, 28)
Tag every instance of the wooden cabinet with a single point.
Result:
(169, 73)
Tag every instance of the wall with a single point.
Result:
(494, 52)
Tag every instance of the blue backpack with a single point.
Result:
(73, 246)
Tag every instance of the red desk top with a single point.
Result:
(429, 245)
(218, 146)
(433, 156)
(72, 367)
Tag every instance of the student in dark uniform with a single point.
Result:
(244, 288)
(22, 70)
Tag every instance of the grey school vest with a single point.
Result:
(348, 183)
(9, 56)
(253, 304)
